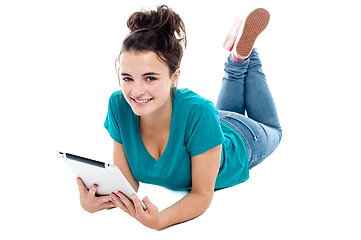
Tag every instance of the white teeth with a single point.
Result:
(142, 101)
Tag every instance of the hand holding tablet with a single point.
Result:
(108, 178)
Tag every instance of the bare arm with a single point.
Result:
(120, 160)
(205, 169)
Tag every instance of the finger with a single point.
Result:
(104, 199)
(118, 203)
(108, 205)
(138, 206)
(81, 186)
(150, 206)
(93, 190)
(129, 204)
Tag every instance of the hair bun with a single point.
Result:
(161, 31)
(164, 21)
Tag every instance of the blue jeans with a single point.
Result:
(245, 90)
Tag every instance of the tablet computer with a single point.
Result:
(108, 177)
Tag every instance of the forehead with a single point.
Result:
(133, 62)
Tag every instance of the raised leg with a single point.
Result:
(259, 102)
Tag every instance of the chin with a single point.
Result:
(140, 112)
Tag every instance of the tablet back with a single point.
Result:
(108, 177)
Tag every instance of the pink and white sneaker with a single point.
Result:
(255, 23)
(233, 35)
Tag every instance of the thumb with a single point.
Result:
(81, 186)
(150, 206)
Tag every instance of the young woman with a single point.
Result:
(175, 138)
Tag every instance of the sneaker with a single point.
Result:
(255, 23)
(233, 35)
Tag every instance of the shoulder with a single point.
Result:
(117, 100)
(115, 97)
(185, 94)
(191, 100)
(200, 121)
(193, 108)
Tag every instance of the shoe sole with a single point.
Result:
(255, 23)
(232, 35)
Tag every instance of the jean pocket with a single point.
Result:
(254, 128)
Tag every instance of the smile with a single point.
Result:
(142, 100)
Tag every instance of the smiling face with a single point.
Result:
(146, 83)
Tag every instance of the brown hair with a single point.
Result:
(161, 31)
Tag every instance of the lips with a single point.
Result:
(142, 101)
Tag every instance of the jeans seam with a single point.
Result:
(240, 133)
(255, 137)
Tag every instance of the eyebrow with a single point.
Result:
(144, 74)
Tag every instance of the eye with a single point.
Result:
(150, 79)
(127, 79)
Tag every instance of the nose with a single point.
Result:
(138, 89)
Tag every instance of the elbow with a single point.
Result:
(205, 198)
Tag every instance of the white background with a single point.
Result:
(57, 73)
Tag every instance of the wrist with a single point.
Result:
(161, 222)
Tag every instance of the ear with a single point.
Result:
(175, 77)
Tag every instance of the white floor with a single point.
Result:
(57, 74)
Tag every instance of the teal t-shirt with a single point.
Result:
(195, 128)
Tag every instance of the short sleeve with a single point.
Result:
(112, 119)
(205, 130)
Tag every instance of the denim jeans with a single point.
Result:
(244, 90)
